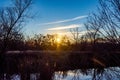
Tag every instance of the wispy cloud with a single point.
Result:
(66, 27)
(80, 33)
(66, 20)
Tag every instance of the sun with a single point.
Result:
(58, 40)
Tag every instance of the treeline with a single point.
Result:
(49, 42)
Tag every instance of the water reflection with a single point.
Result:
(71, 75)
(111, 73)
(12, 77)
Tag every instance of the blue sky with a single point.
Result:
(53, 16)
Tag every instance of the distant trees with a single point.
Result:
(47, 42)
(75, 34)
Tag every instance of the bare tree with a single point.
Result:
(12, 19)
(106, 22)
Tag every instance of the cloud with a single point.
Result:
(69, 33)
(83, 32)
(66, 27)
(66, 20)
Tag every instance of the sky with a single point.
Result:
(57, 16)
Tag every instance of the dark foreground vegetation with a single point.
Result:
(97, 49)
(48, 62)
